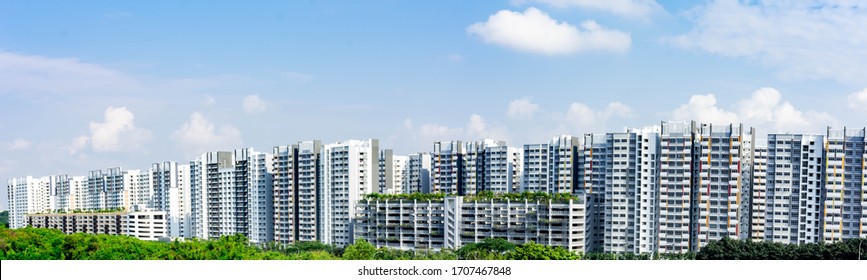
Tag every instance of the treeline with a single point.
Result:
(51, 244)
(730, 249)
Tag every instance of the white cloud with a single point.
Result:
(703, 108)
(297, 77)
(522, 108)
(858, 100)
(765, 110)
(407, 123)
(77, 145)
(819, 39)
(19, 144)
(199, 135)
(534, 31)
(254, 105)
(624, 8)
(116, 132)
(30, 74)
(585, 119)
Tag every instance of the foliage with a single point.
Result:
(361, 250)
(488, 249)
(533, 251)
(403, 196)
(531, 196)
(729, 249)
(4, 219)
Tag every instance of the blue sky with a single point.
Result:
(97, 84)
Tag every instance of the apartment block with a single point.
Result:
(392, 172)
(534, 177)
(502, 169)
(351, 170)
(27, 195)
(459, 220)
(297, 188)
(231, 193)
(844, 212)
(677, 180)
(93, 223)
(418, 173)
(145, 225)
(401, 223)
(721, 187)
(758, 167)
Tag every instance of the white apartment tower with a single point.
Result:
(297, 187)
(677, 212)
(502, 169)
(27, 195)
(562, 153)
(845, 211)
(350, 171)
(721, 187)
(534, 177)
(418, 173)
(231, 193)
(392, 172)
(793, 192)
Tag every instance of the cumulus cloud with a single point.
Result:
(586, 119)
(765, 109)
(116, 132)
(624, 8)
(19, 144)
(821, 39)
(199, 135)
(522, 108)
(254, 105)
(534, 31)
(858, 100)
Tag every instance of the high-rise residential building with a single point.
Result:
(350, 171)
(106, 190)
(418, 173)
(619, 181)
(297, 188)
(534, 177)
(392, 172)
(721, 187)
(758, 167)
(77, 191)
(502, 169)
(789, 210)
(845, 190)
(562, 155)
(459, 167)
(27, 195)
(231, 193)
(677, 210)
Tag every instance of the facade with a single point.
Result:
(27, 195)
(392, 172)
(759, 186)
(456, 221)
(721, 187)
(401, 223)
(845, 201)
(297, 188)
(562, 154)
(93, 223)
(145, 225)
(792, 206)
(677, 210)
(351, 170)
(534, 177)
(502, 169)
(231, 194)
(418, 173)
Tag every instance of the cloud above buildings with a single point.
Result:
(522, 108)
(765, 109)
(536, 32)
(199, 135)
(116, 132)
(858, 100)
(253, 104)
(822, 39)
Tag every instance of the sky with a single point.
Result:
(88, 85)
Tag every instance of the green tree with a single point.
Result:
(361, 250)
(534, 251)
